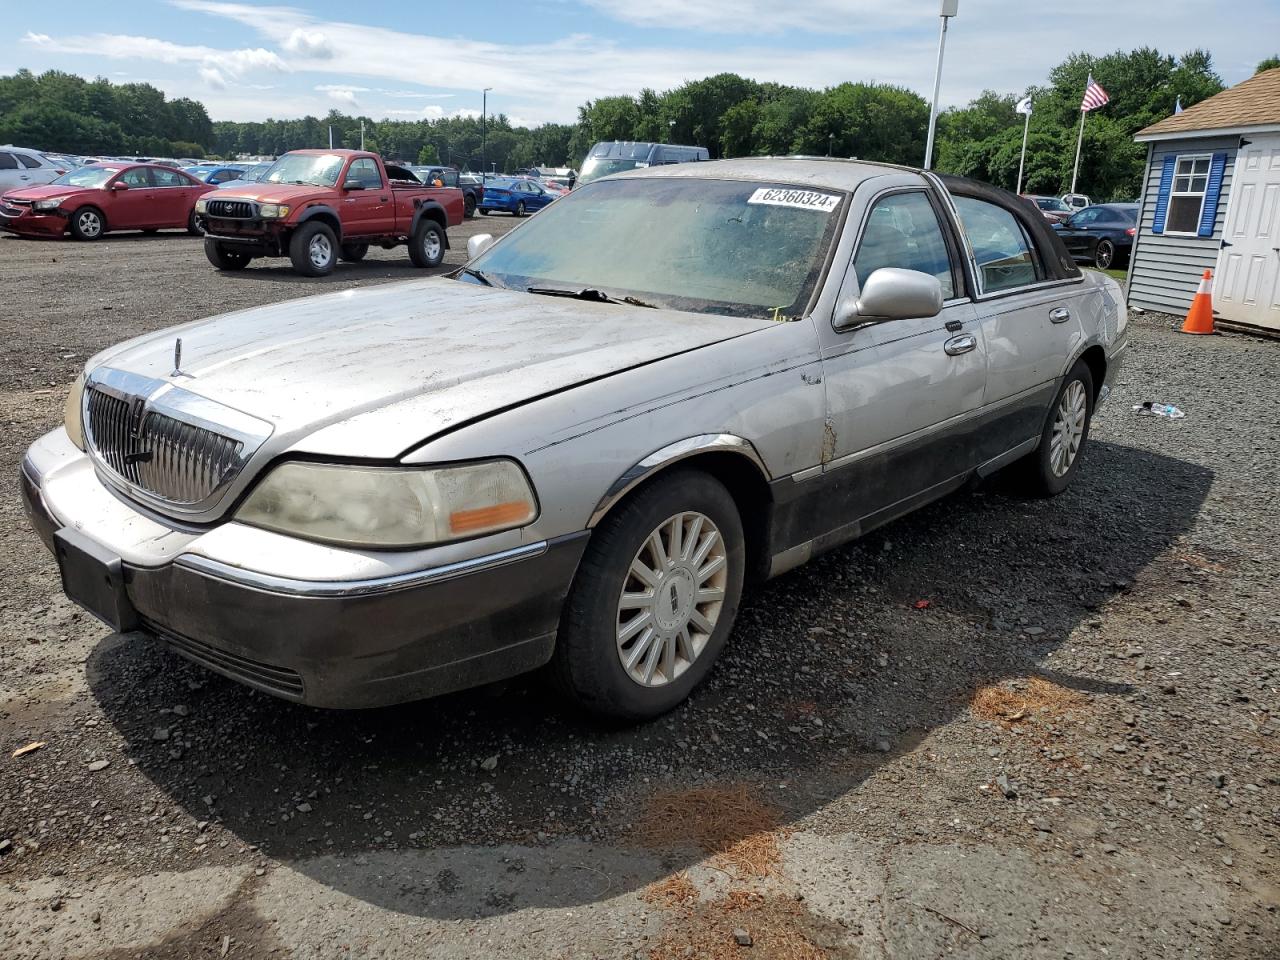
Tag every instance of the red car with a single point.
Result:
(96, 199)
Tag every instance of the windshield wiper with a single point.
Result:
(479, 275)
(589, 293)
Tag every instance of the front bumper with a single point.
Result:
(356, 643)
(30, 223)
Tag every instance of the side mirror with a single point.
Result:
(353, 185)
(891, 293)
(119, 185)
(479, 244)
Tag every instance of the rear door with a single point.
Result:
(900, 393)
(368, 211)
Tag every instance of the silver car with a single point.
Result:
(580, 448)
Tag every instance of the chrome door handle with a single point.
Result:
(961, 344)
(1059, 315)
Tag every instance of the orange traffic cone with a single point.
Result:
(1200, 316)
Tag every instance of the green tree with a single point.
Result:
(1268, 64)
(428, 155)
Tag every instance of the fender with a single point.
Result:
(421, 211)
(315, 210)
(673, 453)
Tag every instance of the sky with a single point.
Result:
(254, 59)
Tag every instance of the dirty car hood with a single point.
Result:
(374, 372)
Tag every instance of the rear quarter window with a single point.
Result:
(1002, 251)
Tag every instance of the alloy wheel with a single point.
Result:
(1104, 254)
(90, 223)
(431, 245)
(320, 251)
(671, 599)
(1068, 429)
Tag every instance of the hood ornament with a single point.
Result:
(177, 359)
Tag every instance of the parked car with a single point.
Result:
(616, 156)
(20, 167)
(1076, 201)
(215, 174)
(106, 197)
(1054, 210)
(1101, 234)
(582, 448)
(471, 187)
(316, 205)
(515, 195)
(251, 174)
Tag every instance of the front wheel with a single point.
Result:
(1050, 469)
(483, 211)
(426, 246)
(88, 223)
(193, 227)
(654, 598)
(1104, 254)
(314, 249)
(222, 258)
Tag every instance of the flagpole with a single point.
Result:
(1079, 142)
(1023, 159)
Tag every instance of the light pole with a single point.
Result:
(484, 109)
(671, 128)
(831, 139)
(949, 10)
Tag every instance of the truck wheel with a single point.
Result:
(88, 223)
(354, 252)
(426, 246)
(314, 249)
(470, 206)
(222, 258)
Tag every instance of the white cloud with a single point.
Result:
(213, 77)
(308, 43)
(765, 17)
(334, 87)
(345, 97)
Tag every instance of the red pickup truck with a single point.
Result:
(314, 206)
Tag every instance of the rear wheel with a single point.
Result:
(314, 249)
(222, 258)
(1104, 254)
(654, 598)
(354, 252)
(88, 223)
(426, 246)
(469, 203)
(520, 208)
(1050, 469)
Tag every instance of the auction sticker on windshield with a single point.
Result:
(803, 199)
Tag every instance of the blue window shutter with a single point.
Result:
(1162, 198)
(1211, 194)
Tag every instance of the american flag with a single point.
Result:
(1094, 96)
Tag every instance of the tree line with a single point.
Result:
(730, 115)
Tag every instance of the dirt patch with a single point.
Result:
(729, 822)
(1008, 705)
(779, 929)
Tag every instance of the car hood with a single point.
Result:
(46, 192)
(374, 372)
(289, 193)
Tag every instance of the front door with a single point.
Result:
(900, 393)
(1075, 233)
(1247, 289)
(366, 212)
(173, 197)
(134, 208)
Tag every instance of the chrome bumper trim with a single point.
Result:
(358, 588)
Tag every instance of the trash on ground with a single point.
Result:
(1149, 408)
(29, 748)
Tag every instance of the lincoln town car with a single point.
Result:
(576, 451)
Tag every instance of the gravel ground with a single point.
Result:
(997, 728)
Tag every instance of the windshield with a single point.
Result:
(729, 247)
(318, 171)
(94, 176)
(595, 168)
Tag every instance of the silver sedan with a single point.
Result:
(580, 448)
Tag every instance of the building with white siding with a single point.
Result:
(1211, 200)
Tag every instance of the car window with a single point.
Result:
(163, 177)
(7, 162)
(903, 231)
(365, 171)
(29, 162)
(1001, 250)
(137, 177)
(1085, 217)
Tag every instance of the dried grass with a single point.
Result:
(728, 822)
(676, 892)
(780, 930)
(1009, 706)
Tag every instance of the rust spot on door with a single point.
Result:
(828, 440)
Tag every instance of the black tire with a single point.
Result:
(354, 252)
(426, 246)
(1037, 475)
(193, 227)
(83, 224)
(469, 206)
(224, 259)
(520, 208)
(483, 211)
(1104, 254)
(587, 664)
(313, 248)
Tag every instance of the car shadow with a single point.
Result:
(131, 236)
(832, 670)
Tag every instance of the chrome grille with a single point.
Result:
(172, 460)
(231, 209)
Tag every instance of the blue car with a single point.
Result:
(514, 195)
(215, 174)
(251, 174)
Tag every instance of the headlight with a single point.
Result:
(71, 417)
(201, 205)
(273, 211)
(391, 506)
(47, 204)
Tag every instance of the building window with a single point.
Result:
(1186, 198)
